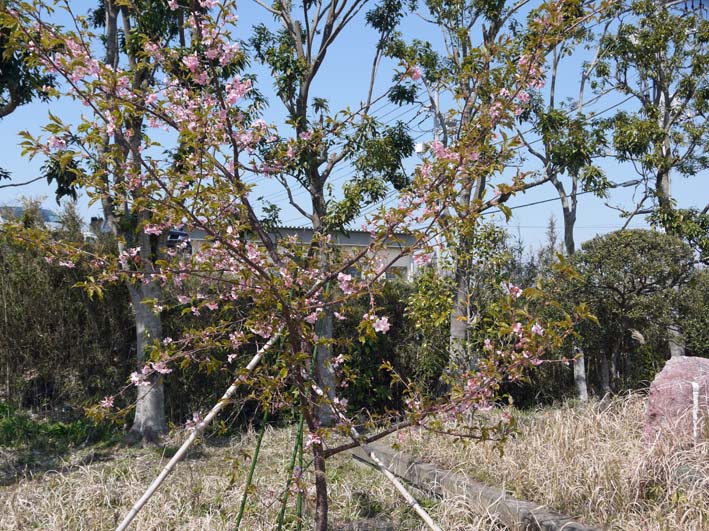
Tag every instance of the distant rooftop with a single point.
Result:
(15, 212)
(348, 237)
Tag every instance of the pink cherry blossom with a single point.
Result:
(161, 367)
(193, 423)
(138, 379)
(311, 439)
(107, 402)
(155, 230)
(422, 259)
(312, 318)
(55, 142)
(537, 329)
(382, 325)
(514, 291)
(344, 281)
(191, 61)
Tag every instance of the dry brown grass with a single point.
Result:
(200, 495)
(589, 461)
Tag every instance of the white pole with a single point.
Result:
(695, 410)
(199, 429)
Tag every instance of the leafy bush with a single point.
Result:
(694, 313)
(631, 281)
(19, 430)
(57, 345)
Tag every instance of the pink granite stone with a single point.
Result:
(671, 407)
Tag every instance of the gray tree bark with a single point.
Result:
(675, 339)
(605, 374)
(458, 351)
(327, 380)
(569, 205)
(149, 421)
(579, 365)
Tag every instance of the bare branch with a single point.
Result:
(291, 199)
(14, 185)
(529, 147)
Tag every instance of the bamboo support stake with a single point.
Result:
(199, 429)
(250, 477)
(415, 505)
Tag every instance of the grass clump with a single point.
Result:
(19, 430)
(30, 444)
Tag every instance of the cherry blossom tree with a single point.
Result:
(324, 139)
(269, 292)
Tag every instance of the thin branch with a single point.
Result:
(372, 438)
(291, 199)
(529, 147)
(13, 185)
(268, 8)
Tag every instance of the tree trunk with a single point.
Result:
(605, 374)
(457, 356)
(675, 339)
(149, 422)
(579, 365)
(579, 360)
(321, 504)
(664, 198)
(325, 372)
(568, 204)
(569, 222)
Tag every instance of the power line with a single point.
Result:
(383, 201)
(389, 196)
(345, 173)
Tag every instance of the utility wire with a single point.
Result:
(389, 196)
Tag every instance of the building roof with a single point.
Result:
(352, 238)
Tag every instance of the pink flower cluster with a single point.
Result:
(441, 152)
(381, 324)
(345, 282)
(193, 423)
(514, 291)
(415, 73)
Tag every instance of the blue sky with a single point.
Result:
(343, 82)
